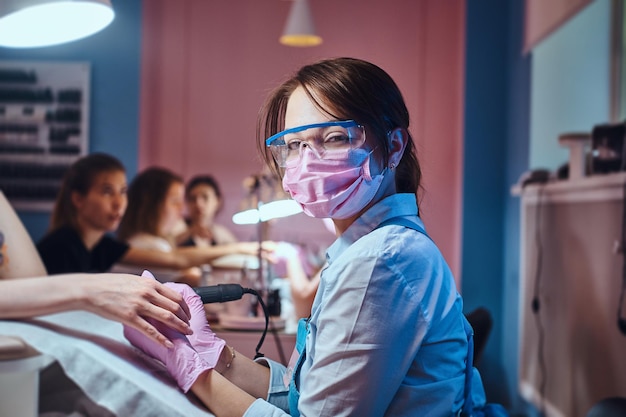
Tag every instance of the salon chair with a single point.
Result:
(481, 321)
(19, 377)
(17, 246)
(608, 407)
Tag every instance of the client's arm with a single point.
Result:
(186, 257)
(126, 298)
(302, 288)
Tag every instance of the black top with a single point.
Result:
(63, 251)
(190, 242)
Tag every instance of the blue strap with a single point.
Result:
(294, 389)
(467, 409)
(403, 221)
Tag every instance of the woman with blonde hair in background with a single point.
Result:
(155, 209)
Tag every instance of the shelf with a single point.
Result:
(601, 187)
(571, 351)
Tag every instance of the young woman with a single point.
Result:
(203, 198)
(90, 205)
(155, 209)
(386, 335)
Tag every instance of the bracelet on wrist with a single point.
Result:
(230, 362)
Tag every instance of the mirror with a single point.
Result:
(621, 17)
(618, 64)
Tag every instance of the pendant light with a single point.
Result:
(36, 23)
(300, 29)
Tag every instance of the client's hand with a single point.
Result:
(252, 248)
(206, 343)
(284, 252)
(191, 355)
(133, 300)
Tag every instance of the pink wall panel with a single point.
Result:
(440, 137)
(208, 65)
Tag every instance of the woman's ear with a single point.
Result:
(77, 199)
(397, 144)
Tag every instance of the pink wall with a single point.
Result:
(208, 65)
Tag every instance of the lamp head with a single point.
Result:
(264, 200)
(300, 29)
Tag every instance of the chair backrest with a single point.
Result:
(20, 256)
(481, 322)
(608, 407)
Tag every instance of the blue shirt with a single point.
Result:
(386, 330)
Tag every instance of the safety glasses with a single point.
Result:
(328, 140)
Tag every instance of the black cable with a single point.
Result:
(258, 354)
(228, 292)
(535, 305)
(535, 302)
(268, 323)
(621, 322)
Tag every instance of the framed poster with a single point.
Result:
(44, 128)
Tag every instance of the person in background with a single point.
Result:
(155, 208)
(203, 198)
(386, 335)
(89, 207)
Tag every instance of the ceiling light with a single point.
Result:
(300, 29)
(36, 23)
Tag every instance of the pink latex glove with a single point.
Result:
(182, 361)
(204, 341)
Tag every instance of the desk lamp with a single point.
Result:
(265, 200)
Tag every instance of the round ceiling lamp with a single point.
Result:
(37, 23)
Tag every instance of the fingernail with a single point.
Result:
(147, 274)
(169, 344)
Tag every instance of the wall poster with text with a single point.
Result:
(44, 128)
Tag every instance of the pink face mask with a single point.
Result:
(338, 189)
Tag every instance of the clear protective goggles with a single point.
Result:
(328, 140)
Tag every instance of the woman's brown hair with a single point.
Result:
(347, 89)
(79, 178)
(146, 197)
